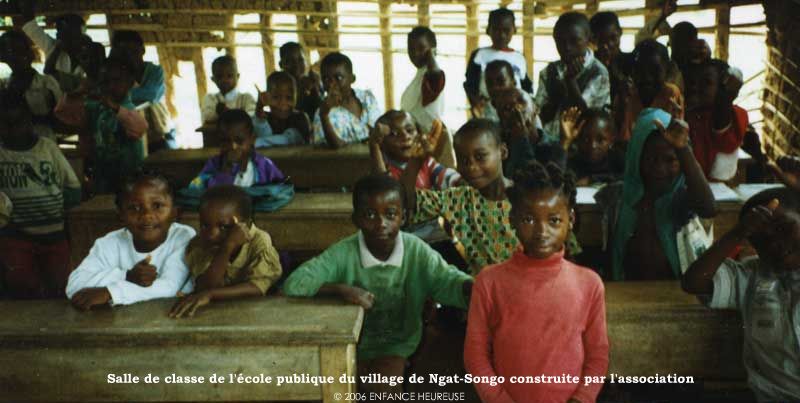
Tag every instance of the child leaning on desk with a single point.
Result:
(389, 272)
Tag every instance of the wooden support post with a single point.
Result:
(200, 74)
(723, 22)
(424, 13)
(591, 7)
(527, 35)
(301, 38)
(473, 26)
(230, 37)
(267, 45)
(386, 52)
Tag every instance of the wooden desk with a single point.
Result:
(51, 352)
(311, 222)
(308, 166)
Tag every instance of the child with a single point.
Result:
(764, 288)
(578, 79)
(388, 272)
(150, 87)
(62, 52)
(478, 212)
(283, 124)
(225, 74)
(525, 140)
(112, 124)
(716, 125)
(423, 97)
(309, 85)
(41, 184)
(41, 92)
(143, 260)
(501, 29)
(238, 163)
(606, 35)
(346, 114)
(230, 257)
(597, 158)
(650, 88)
(663, 187)
(538, 289)
(498, 76)
(396, 139)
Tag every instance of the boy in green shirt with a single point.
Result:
(388, 272)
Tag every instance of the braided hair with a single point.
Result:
(536, 177)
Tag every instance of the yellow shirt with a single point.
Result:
(256, 262)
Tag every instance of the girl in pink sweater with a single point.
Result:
(537, 315)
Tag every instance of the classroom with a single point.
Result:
(489, 201)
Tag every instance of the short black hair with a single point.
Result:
(230, 194)
(232, 117)
(684, 28)
(598, 113)
(11, 36)
(651, 47)
(70, 19)
(128, 182)
(604, 19)
(224, 60)
(572, 18)
(497, 15)
(280, 77)
(335, 59)
(789, 199)
(498, 65)
(535, 176)
(423, 32)
(126, 36)
(118, 62)
(480, 125)
(373, 184)
(393, 113)
(289, 47)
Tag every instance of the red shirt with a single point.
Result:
(707, 142)
(531, 317)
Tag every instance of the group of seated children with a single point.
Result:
(652, 129)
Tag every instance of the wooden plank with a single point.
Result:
(723, 32)
(338, 361)
(267, 45)
(424, 13)
(528, 31)
(473, 36)
(386, 54)
(307, 166)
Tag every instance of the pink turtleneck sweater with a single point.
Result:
(531, 317)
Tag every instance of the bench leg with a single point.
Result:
(336, 361)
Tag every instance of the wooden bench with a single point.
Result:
(311, 222)
(309, 167)
(49, 351)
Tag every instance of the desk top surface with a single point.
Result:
(270, 320)
(352, 151)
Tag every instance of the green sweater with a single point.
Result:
(393, 327)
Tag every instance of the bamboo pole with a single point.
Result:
(528, 32)
(424, 13)
(723, 22)
(386, 47)
(592, 6)
(200, 75)
(267, 45)
(473, 36)
(230, 37)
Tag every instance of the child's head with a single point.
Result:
(337, 72)
(501, 28)
(596, 136)
(117, 77)
(499, 75)
(69, 29)
(703, 83)
(651, 62)
(480, 152)
(235, 128)
(145, 203)
(680, 40)
(128, 44)
(542, 201)
(16, 126)
(659, 166)
(779, 244)
(91, 57)
(225, 73)
(510, 103)
(16, 50)
(281, 94)
(606, 34)
(399, 144)
(571, 34)
(421, 43)
(378, 210)
(222, 207)
(293, 59)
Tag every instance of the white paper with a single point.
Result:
(586, 195)
(748, 190)
(723, 193)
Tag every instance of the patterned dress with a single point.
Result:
(349, 127)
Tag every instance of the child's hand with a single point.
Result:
(676, 134)
(335, 98)
(757, 220)
(109, 103)
(358, 296)
(189, 304)
(86, 298)
(787, 169)
(699, 51)
(238, 235)
(571, 126)
(221, 107)
(378, 133)
(674, 108)
(477, 105)
(574, 67)
(143, 273)
(730, 88)
(669, 7)
(427, 143)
